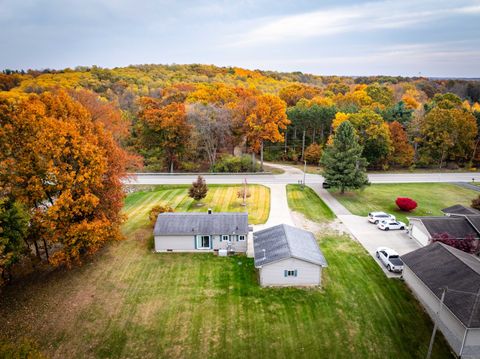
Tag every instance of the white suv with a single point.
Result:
(375, 217)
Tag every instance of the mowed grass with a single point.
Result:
(132, 303)
(430, 197)
(219, 198)
(307, 202)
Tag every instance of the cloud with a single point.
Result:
(354, 18)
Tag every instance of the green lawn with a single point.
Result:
(220, 198)
(128, 302)
(307, 202)
(430, 197)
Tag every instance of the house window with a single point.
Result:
(290, 273)
(203, 242)
(241, 237)
(225, 237)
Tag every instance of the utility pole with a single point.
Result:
(304, 172)
(430, 347)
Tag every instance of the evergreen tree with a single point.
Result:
(344, 167)
(199, 189)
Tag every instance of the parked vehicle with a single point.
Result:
(389, 224)
(376, 217)
(390, 259)
(325, 184)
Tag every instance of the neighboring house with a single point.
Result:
(288, 256)
(459, 221)
(201, 232)
(430, 269)
(460, 210)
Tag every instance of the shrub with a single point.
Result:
(156, 210)
(406, 204)
(313, 153)
(476, 203)
(229, 163)
(468, 244)
(198, 190)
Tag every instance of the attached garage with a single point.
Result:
(429, 271)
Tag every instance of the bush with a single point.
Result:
(156, 210)
(229, 163)
(406, 204)
(313, 153)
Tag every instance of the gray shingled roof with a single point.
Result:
(284, 241)
(201, 223)
(438, 265)
(459, 209)
(459, 227)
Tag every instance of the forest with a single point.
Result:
(68, 137)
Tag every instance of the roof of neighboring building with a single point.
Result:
(283, 242)
(458, 227)
(461, 210)
(438, 266)
(201, 223)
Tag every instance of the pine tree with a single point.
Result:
(199, 189)
(344, 167)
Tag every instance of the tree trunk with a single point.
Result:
(342, 189)
(253, 161)
(285, 142)
(313, 135)
(171, 166)
(474, 152)
(322, 134)
(261, 156)
(46, 249)
(294, 137)
(37, 252)
(303, 144)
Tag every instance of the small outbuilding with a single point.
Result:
(431, 270)
(201, 232)
(288, 256)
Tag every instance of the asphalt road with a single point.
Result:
(294, 175)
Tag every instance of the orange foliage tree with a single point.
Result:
(66, 169)
(165, 127)
(264, 122)
(402, 154)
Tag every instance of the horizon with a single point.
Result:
(434, 39)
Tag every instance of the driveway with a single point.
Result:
(370, 237)
(366, 233)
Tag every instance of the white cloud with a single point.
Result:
(354, 18)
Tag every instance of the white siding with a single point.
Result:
(450, 326)
(472, 345)
(417, 232)
(175, 243)
(187, 244)
(273, 274)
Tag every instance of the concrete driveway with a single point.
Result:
(370, 237)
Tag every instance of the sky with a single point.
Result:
(435, 38)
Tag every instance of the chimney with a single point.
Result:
(209, 211)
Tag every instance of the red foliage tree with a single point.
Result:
(406, 204)
(468, 244)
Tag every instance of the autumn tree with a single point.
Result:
(165, 128)
(448, 134)
(156, 210)
(374, 135)
(402, 154)
(293, 93)
(313, 153)
(198, 190)
(66, 169)
(211, 127)
(265, 121)
(344, 166)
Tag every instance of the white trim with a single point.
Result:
(199, 241)
(240, 237)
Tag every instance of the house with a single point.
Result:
(288, 256)
(459, 221)
(431, 269)
(459, 210)
(201, 232)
